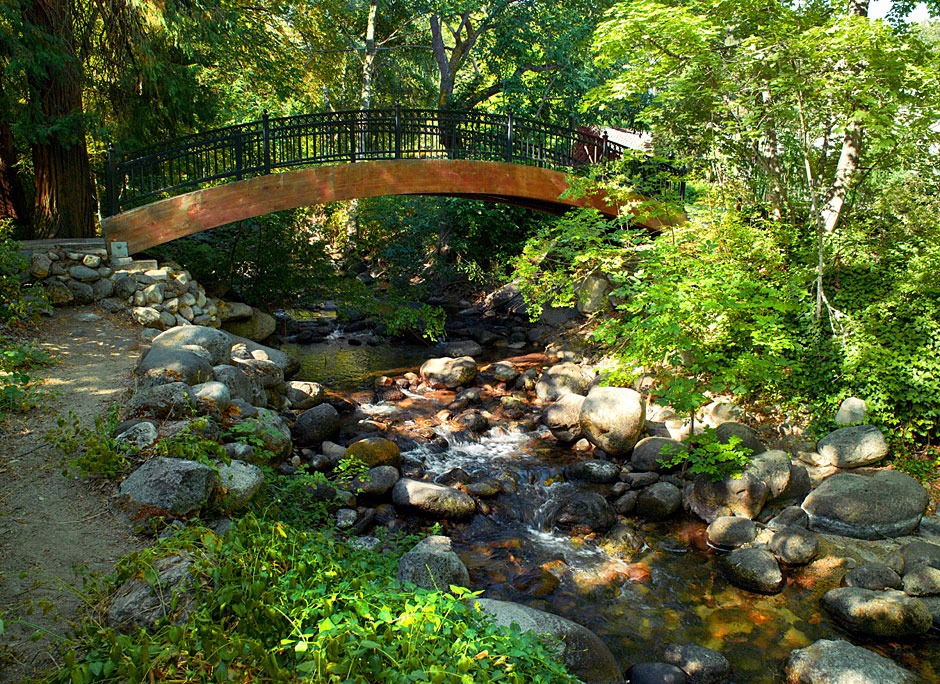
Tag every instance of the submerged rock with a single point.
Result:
(701, 665)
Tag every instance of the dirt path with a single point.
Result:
(49, 524)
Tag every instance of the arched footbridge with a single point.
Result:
(209, 179)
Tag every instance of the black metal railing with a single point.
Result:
(275, 143)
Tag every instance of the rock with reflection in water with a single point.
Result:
(582, 651)
(754, 569)
(701, 665)
(730, 531)
(583, 513)
(433, 499)
(891, 614)
(839, 662)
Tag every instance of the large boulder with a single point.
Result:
(852, 411)
(595, 471)
(851, 447)
(561, 379)
(563, 417)
(839, 662)
(582, 651)
(375, 482)
(889, 504)
(375, 451)
(773, 469)
(287, 363)
(649, 451)
(794, 545)
(172, 400)
(304, 394)
(165, 593)
(316, 425)
(238, 483)
(170, 364)
(269, 427)
(613, 418)
(172, 486)
(583, 513)
(659, 501)
(433, 499)
(891, 614)
(241, 385)
(874, 576)
(731, 531)
(257, 327)
(742, 495)
(920, 552)
(218, 343)
(432, 564)
(748, 438)
(754, 569)
(448, 373)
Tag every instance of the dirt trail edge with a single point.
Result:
(50, 524)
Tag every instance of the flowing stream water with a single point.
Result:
(650, 585)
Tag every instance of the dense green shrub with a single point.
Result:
(276, 604)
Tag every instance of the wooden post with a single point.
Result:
(509, 137)
(113, 205)
(397, 129)
(266, 134)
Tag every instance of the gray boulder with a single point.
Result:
(891, 614)
(749, 438)
(163, 401)
(433, 499)
(594, 471)
(212, 397)
(791, 515)
(583, 513)
(852, 447)
(794, 545)
(563, 417)
(316, 425)
(852, 411)
(659, 501)
(238, 483)
(241, 385)
(102, 289)
(874, 576)
(288, 364)
(257, 327)
(503, 371)
(140, 436)
(920, 552)
(140, 604)
(656, 673)
(172, 485)
(839, 662)
(449, 373)
(376, 482)
(83, 273)
(303, 394)
(701, 665)
(773, 469)
(459, 348)
(889, 504)
(754, 569)
(270, 428)
(922, 580)
(83, 293)
(124, 286)
(731, 531)
(741, 495)
(613, 418)
(561, 379)
(582, 651)
(650, 450)
(169, 364)
(218, 343)
(432, 564)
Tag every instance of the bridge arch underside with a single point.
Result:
(175, 217)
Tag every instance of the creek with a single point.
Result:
(641, 587)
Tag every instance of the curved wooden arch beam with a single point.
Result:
(175, 217)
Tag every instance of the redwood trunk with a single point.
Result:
(65, 199)
(12, 197)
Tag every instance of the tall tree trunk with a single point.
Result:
(368, 60)
(65, 199)
(12, 197)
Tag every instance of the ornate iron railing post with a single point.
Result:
(239, 155)
(266, 135)
(509, 137)
(603, 148)
(397, 129)
(112, 201)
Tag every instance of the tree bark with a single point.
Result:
(65, 198)
(12, 196)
